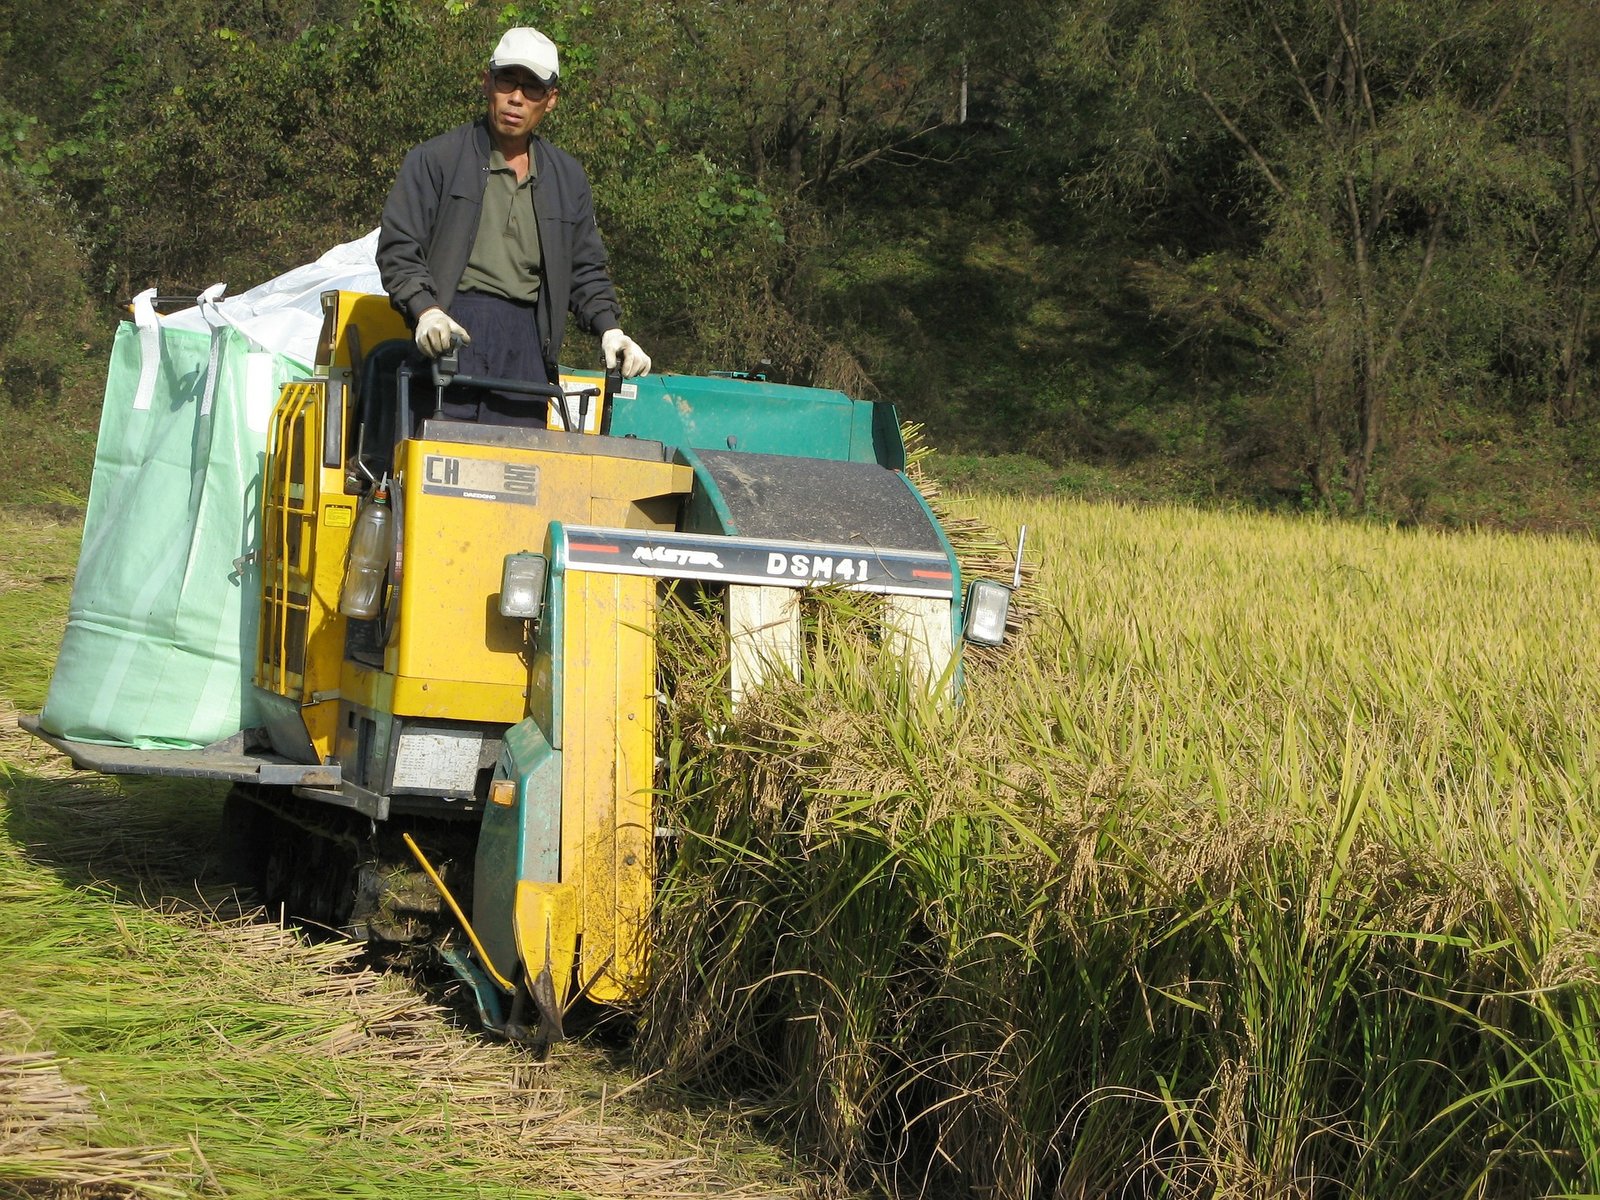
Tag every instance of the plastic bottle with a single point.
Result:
(371, 547)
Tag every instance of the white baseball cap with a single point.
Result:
(524, 47)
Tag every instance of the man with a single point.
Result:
(489, 241)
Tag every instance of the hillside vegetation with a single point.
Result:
(1323, 254)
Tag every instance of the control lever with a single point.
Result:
(445, 369)
(448, 365)
(608, 397)
(446, 372)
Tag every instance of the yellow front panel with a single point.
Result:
(608, 770)
(454, 549)
(463, 512)
(447, 699)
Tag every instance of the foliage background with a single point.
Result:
(1320, 254)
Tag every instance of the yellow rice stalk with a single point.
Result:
(1266, 870)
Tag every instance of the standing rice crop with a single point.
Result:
(1263, 866)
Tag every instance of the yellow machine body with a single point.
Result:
(443, 659)
(595, 913)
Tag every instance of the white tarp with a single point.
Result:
(161, 632)
(284, 314)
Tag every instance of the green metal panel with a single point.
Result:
(713, 413)
(524, 841)
(520, 842)
(706, 511)
(882, 427)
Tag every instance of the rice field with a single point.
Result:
(1262, 865)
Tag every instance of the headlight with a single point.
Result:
(522, 586)
(987, 606)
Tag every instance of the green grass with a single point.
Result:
(36, 568)
(259, 1066)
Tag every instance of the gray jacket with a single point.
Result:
(431, 218)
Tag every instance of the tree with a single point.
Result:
(716, 132)
(819, 90)
(1370, 192)
(1571, 55)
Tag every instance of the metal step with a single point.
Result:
(229, 761)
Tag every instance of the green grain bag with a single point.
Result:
(161, 631)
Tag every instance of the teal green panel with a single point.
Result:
(881, 426)
(520, 842)
(524, 841)
(713, 413)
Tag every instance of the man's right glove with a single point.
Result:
(620, 348)
(436, 332)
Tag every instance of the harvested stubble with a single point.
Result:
(1264, 867)
(230, 1057)
(42, 1117)
(180, 1047)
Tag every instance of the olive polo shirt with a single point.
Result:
(505, 256)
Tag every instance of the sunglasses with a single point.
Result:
(506, 83)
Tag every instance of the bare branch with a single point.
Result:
(1397, 327)
(1299, 72)
(1352, 45)
(1509, 86)
(1243, 139)
(875, 153)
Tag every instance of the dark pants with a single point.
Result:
(505, 345)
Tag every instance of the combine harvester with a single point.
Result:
(445, 654)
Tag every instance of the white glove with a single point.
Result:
(436, 331)
(617, 344)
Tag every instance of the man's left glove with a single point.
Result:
(618, 345)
